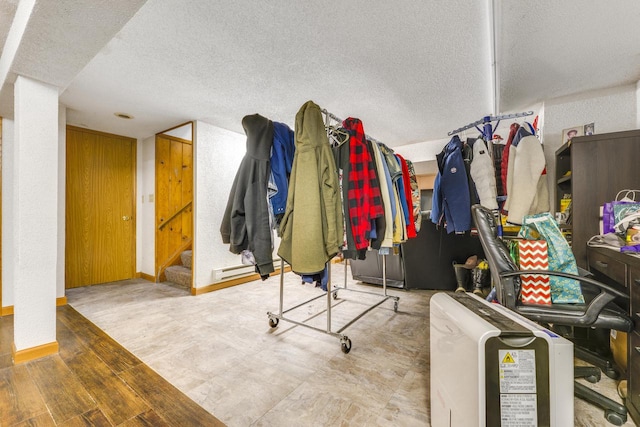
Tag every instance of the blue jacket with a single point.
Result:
(451, 200)
(281, 161)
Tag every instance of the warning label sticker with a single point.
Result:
(518, 410)
(517, 371)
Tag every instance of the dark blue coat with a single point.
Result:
(451, 200)
(281, 161)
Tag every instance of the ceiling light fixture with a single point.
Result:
(123, 116)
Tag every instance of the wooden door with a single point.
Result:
(100, 207)
(174, 195)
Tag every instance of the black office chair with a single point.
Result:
(599, 311)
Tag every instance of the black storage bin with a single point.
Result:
(425, 262)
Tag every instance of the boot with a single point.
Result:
(481, 278)
(463, 276)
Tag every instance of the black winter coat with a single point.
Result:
(245, 224)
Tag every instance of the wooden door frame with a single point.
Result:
(158, 272)
(134, 188)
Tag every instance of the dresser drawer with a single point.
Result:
(633, 395)
(634, 276)
(610, 267)
(634, 293)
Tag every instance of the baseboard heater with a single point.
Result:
(492, 367)
(235, 271)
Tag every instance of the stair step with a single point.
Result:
(187, 258)
(179, 275)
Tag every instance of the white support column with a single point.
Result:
(62, 181)
(638, 104)
(35, 219)
(8, 201)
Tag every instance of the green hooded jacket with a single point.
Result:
(312, 226)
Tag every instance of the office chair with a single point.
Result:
(599, 310)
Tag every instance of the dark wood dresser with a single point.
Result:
(624, 270)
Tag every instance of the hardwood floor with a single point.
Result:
(92, 381)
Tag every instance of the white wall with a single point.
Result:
(8, 200)
(611, 110)
(35, 213)
(217, 156)
(638, 104)
(62, 190)
(145, 206)
(183, 132)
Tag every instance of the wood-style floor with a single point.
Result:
(92, 381)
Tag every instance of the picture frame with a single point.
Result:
(589, 129)
(572, 132)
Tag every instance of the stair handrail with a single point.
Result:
(175, 214)
(172, 259)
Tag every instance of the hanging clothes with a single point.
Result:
(341, 157)
(527, 188)
(497, 150)
(484, 175)
(467, 156)
(245, 223)
(281, 161)
(311, 229)
(387, 196)
(411, 226)
(504, 167)
(378, 224)
(451, 201)
(415, 196)
(402, 206)
(364, 198)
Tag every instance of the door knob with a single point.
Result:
(126, 218)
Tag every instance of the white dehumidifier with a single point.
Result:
(492, 367)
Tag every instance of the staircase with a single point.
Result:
(181, 274)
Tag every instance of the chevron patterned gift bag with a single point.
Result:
(535, 287)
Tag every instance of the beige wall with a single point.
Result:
(425, 182)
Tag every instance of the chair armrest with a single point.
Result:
(584, 273)
(595, 306)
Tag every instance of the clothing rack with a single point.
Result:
(339, 120)
(487, 129)
(345, 342)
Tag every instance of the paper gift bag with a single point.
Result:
(534, 255)
(542, 226)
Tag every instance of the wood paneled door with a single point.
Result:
(174, 197)
(100, 207)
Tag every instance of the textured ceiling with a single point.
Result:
(7, 11)
(393, 64)
(552, 48)
(411, 70)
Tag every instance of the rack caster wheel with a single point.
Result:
(335, 295)
(592, 379)
(273, 322)
(612, 373)
(395, 306)
(615, 418)
(346, 345)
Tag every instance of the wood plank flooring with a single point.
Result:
(92, 381)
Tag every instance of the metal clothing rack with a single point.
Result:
(345, 342)
(487, 129)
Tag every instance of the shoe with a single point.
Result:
(463, 277)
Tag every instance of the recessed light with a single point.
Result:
(123, 116)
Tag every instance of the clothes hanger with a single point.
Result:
(337, 136)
